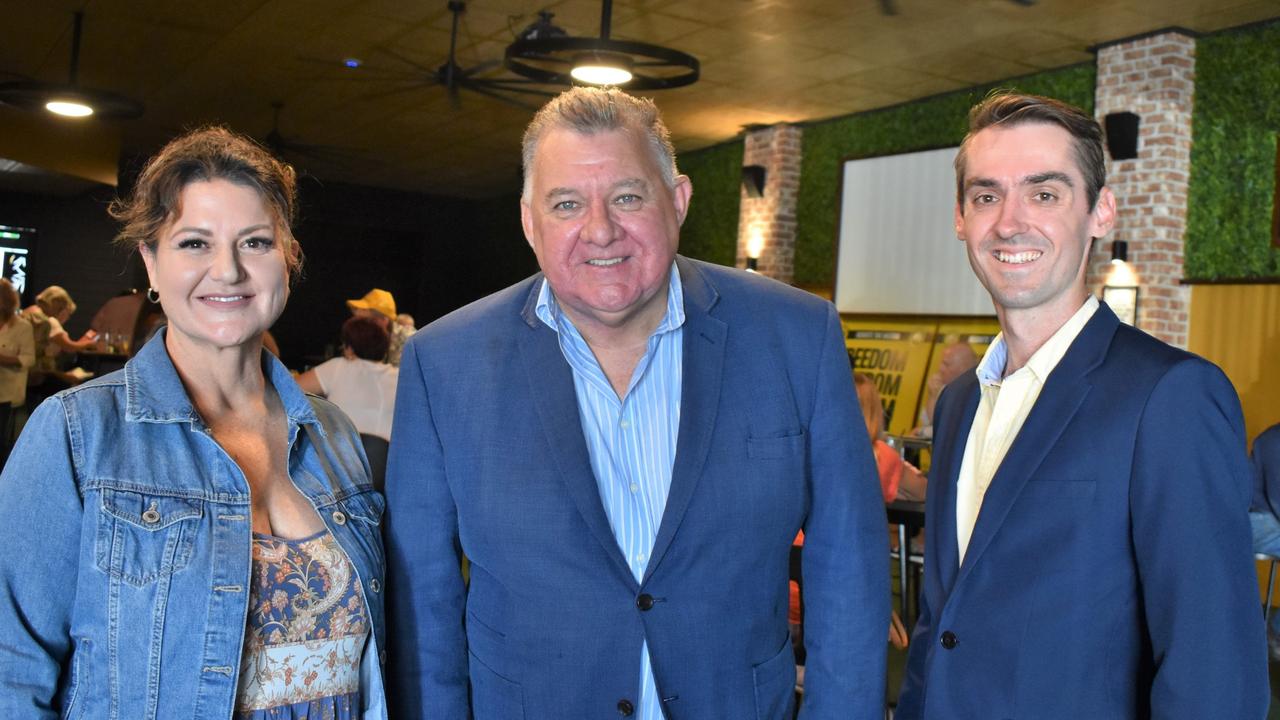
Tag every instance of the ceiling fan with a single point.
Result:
(454, 78)
(890, 7)
(69, 99)
(300, 152)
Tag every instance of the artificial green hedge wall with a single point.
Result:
(926, 124)
(1233, 155)
(710, 232)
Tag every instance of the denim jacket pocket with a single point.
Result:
(143, 537)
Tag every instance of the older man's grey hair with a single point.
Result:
(590, 110)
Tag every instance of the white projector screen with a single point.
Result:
(897, 250)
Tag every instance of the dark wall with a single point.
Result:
(73, 250)
(433, 254)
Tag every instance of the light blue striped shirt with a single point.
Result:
(632, 441)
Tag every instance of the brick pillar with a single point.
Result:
(770, 220)
(1155, 78)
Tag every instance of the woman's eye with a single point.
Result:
(191, 243)
(259, 243)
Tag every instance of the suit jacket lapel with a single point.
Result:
(955, 419)
(1067, 387)
(551, 385)
(704, 346)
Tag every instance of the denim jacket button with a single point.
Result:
(151, 516)
(339, 518)
(374, 585)
(382, 657)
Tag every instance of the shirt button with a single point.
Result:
(624, 424)
(382, 657)
(635, 488)
(625, 708)
(645, 602)
(949, 640)
(339, 518)
(374, 585)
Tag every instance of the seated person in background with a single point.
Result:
(899, 480)
(406, 320)
(1264, 511)
(53, 307)
(359, 382)
(958, 358)
(380, 305)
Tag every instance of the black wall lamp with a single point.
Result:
(753, 177)
(1122, 135)
(1119, 251)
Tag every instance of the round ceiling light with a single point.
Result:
(544, 53)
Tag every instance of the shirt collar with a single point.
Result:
(155, 392)
(991, 370)
(548, 309)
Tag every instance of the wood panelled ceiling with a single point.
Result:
(386, 124)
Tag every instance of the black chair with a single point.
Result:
(376, 450)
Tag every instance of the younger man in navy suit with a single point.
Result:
(1088, 538)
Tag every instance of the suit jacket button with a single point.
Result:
(949, 640)
(625, 708)
(644, 602)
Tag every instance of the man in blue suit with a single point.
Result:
(624, 446)
(1264, 511)
(1088, 539)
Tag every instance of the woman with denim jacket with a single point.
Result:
(193, 536)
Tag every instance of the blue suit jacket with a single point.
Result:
(1266, 471)
(1109, 573)
(488, 458)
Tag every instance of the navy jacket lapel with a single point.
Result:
(1067, 387)
(704, 347)
(955, 417)
(551, 384)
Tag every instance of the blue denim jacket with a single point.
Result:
(125, 545)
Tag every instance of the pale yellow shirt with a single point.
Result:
(1004, 405)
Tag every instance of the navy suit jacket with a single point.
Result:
(1266, 471)
(488, 459)
(1109, 574)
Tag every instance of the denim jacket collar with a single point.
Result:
(155, 392)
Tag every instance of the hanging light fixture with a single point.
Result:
(545, 53)
(69, 100)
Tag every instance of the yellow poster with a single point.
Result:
(894, 352)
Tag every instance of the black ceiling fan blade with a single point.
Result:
(429, 71)
(502, 86)
(478, 68)
(502, 98)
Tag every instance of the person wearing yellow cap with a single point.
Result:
(381, 306)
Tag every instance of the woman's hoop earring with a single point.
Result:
(152, 296)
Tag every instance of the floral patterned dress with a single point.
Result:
(306, 632)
